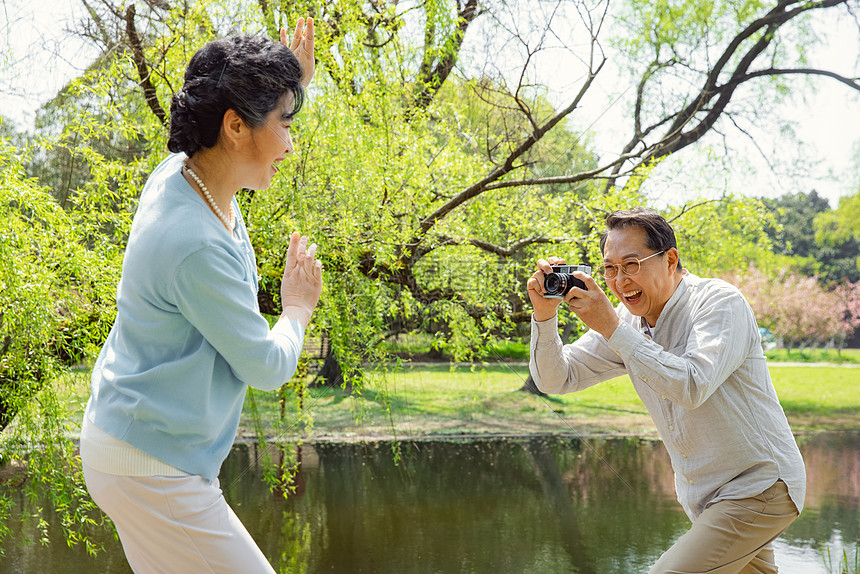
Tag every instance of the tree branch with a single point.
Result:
(676, 139)
(512, 250)
(149, 91)
(687, 208)
(638, 133)
(430, 77)
(569, 178)
(407, 279)
(480, 187)
(332, 29)
(713, 98)
(96, 18)
(269, 19)
(850, 82)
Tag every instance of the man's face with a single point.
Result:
(645, 293)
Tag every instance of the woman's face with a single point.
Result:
(270, 143)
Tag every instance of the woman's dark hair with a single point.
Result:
(246, 74)
(660, 235)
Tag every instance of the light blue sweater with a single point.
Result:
(188, 337)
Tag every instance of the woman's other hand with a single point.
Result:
(302, 46)
(302, 282)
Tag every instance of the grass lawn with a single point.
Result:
(479, 400)
(445, 400)
(419, 344)
(819, 397)
(845, 356)
(441, 400)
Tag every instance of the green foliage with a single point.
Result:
(55, 292)
(58, 274)
(420, 346)
(369, 170)
(794, 214)
(844, 565)
(409, 177)
(60, 259)
(842, 225)
(811, 239)
(377, 180)
(9, 133)
(718, 236)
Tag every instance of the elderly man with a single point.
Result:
(692, 349)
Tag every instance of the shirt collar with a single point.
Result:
(668, 308)
(645, 328)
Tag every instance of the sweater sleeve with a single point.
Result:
(211, 292)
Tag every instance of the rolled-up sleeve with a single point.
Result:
(212, 293)
(557, 368)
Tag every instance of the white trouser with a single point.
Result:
(177, 524)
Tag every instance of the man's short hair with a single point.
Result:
(660, 235)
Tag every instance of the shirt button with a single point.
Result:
(644, 379)
(663, 397)
(684, 454)
(691, 481)
(671, 427)
(618, 353)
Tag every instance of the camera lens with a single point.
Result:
(554, 283)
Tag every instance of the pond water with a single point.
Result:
(542, 505)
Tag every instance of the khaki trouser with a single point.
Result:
(732, 536)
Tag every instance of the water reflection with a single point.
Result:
(489, 506)
(495, 506)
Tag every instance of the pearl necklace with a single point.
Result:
(230, 223)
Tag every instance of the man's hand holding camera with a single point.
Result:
(591, 304)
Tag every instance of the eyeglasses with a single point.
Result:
(629, 267)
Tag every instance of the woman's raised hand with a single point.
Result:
(302, 45)
(302, 282)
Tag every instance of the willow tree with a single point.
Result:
(432, 164)
(430, 167)
(436, 181)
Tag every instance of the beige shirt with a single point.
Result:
(703, 377)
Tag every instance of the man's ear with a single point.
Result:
(672, 258)
(233, 128)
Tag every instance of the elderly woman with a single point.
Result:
(170, 381)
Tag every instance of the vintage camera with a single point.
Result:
(558, 283)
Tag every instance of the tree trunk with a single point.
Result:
(568, 331)
(557, 492)
(331, 373)
(530, 387)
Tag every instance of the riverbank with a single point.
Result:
(458, 402)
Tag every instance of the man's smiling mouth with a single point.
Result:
(632, 296)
